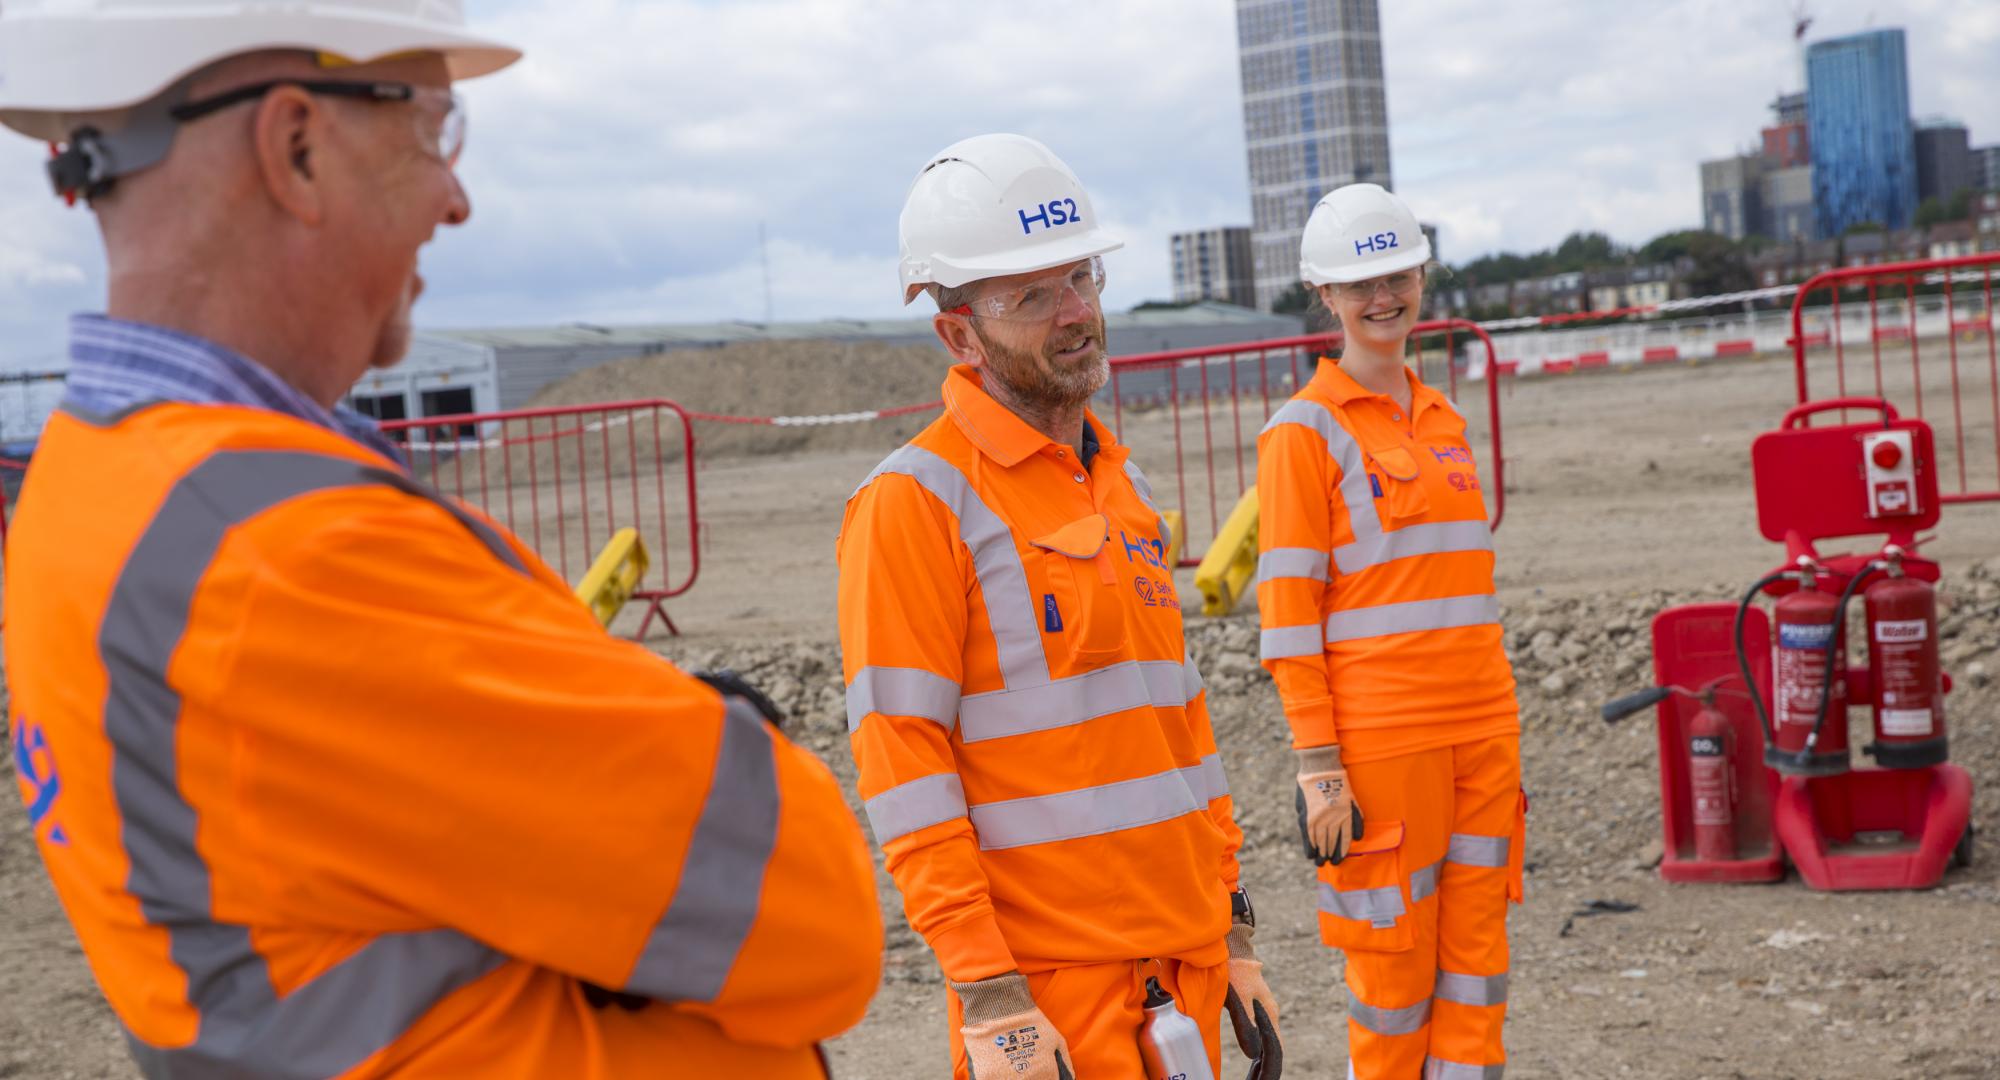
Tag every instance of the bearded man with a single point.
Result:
(1034, 745)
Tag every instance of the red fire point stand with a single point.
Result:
(1792, 785)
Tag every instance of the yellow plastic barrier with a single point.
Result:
(1230, 565)
(1175, 520)
(610, 580)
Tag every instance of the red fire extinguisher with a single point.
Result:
(1712, 781)
(1809, 683)
(1903, 668)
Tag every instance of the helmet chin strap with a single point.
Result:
(93, 160)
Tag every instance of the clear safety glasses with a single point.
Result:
(1038, 300)
(1398, 283)
(439, 114)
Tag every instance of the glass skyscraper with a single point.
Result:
(1863, 150)
(1314, 118)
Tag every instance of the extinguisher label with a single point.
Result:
(1705, 746)
(1902, 630)
(1804, 635)
(1906, 722)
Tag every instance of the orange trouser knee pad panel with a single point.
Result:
(1099, 1007)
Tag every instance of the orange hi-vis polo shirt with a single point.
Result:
(335, 779)
(1375, 573)
(1034, 744)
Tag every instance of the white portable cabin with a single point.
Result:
(439, 376)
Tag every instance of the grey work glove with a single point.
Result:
(1329, 818)
(1256, 1026)
(1006, 1035)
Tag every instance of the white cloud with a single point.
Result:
(622, 170)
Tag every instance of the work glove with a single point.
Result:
(1329, 819)
(729, 684)
(1256, 1026)
(1006, 1036)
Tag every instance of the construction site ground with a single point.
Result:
(1627, 492)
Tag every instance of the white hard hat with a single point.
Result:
(990, 206)
(60, 59)
(1358, 232)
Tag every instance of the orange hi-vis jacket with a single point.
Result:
(1034, 744)
(335, 779)
(1375, 573)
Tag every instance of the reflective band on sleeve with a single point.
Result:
(1469, 850)
(919, 804)
(1355, 492)
(1424, 882)
(1192, 683)
(1280, 563)
(1094, 811)
(1440, 1069)
(894, 691)
(1141, 485)
(245, 1028)
(693, 947)
(1207, 779)
(1281, 642)
(1404, 1021)
(1074, 700)
(1472, 989)
(1434, 538)
(1412, 616)
(1012, 615)
(1379, 908)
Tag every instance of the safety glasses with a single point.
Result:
(439, 114)
(1038, 300)
(1398, 283)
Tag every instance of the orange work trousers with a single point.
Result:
(1098, 1008)
(1419, 907)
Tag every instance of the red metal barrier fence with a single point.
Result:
(1939, 315)
(1152, 393)
(565, 479)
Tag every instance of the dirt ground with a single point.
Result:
(1627, 491)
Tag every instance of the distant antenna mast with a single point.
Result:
(764, 254)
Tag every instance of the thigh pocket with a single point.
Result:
(1364, 901)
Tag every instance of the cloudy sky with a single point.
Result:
(622, 171)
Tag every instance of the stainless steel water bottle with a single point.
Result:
(1170, 1043)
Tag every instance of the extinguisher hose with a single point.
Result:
(1743, 657)
(1833, 643)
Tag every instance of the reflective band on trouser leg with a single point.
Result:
(1411, 616)
(918, 804)
(1472, 989)
(319, 1028)
(1438, 1069)
(1010, 609)
(1407, 1020)
(1486, 851)
(1094, 811)
(894, 691)
(693, 947)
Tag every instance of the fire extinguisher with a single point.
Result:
(1903, 669)
(1808, 675)
(1712, 781)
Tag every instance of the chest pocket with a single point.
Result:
(1080, 606)
(1403, 496)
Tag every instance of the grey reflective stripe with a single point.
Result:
(352, 1010)
(1404, 1021)
(1192, 684)
(1469, 850)
(1141, 485)
(1010, 608)
(1291, 563)
(1094, 811)
(1440, 1069)
(1471, 989)
(1432, 538)
(1424, 882)
(1355, 491)
(1412, 616)
(894, 691)
(1379, 907)
(1280, 642)
(1208, 781)
(918, 804)
(1074, 700)
(693, 947)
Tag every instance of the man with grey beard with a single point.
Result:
(1034, 745)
